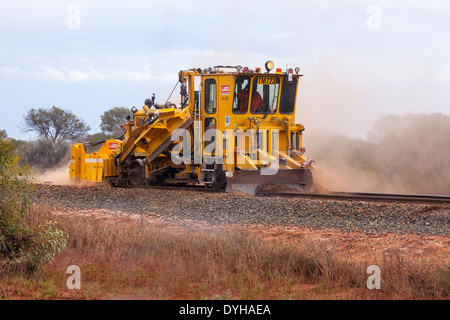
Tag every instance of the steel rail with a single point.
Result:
(366, 196)
(197, 188)
(334, 195)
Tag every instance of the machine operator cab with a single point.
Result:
(243, 98)
(265, 91)
(236, 92)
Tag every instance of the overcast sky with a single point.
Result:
(360, 59)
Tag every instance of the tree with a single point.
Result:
(3, 135)
(55, 123)
(14, 143)
(97, 137)
(112, 119)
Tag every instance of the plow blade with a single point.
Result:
(249, 181)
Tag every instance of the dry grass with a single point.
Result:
(139, 260)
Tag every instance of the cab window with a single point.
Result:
(287, 99)
(264, 98)
(241, 90)
(210, 96)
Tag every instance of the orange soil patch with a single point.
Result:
(359, 246)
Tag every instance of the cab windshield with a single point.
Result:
(264, 98)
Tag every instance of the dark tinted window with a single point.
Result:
(287, 99)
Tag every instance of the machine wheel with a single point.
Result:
(219, 180)
(136, 173)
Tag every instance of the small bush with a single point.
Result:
(44, 154)
(21, 247)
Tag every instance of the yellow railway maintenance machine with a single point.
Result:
(234, 128)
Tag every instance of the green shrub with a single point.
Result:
(22, 247)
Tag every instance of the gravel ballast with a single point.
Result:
(363, 216)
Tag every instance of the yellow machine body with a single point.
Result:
(94, 167)
(232, 124)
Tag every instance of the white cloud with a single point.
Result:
(76, 75)
(108, 75)
(43, 73)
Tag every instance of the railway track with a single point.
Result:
(365, 196)
(334, 195)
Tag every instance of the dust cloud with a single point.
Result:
(401, 154)
(56, 176)
(372, 133)
(60, 176)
